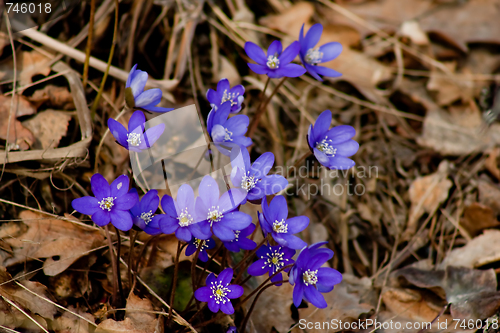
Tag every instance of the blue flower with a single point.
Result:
(136, 97)
(274, 221)
(135, 139)
(143, 213)
(253, 177)
(230, 130)
(220, 214)
(218, 292)
(179, 215)
(310, 279)
(277, 63)
(271, 260)
(332, 146)
(111, 203)
(203, 245)
(232, 329)
(311, 56)
(241, 241)
(225, 93)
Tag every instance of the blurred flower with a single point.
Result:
(225, 93)
(277, 63)
(241, 241)
(311, 56)
(272, 259)
(135, 139)
(136, 97)
(111, 203)
(332, 147)
(143, 213)
(253, 177)
(179, 215)
(218, 292)
(232, 329)
(230, 130)
(310, 279)
(203, 245)
(274, 220)
(220, 214)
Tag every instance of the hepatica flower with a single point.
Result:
(277, 63)
(143, 213)
(135, 139)
(332, 146)
(220, 214)
(271, 260)
(311, 56)
(253, 177)
(136, 97)
(225, 93)
(218, 292)
(230, 130)
(204, 245)
(310, 279)
(274, 221)
(111, 203)
(179, 215)
(240, 240)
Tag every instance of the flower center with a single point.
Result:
(280, 227)
(273, 62)
(236, 235)
(185, 218)
(310, 277)
(107, 203)
(219, 292)
(313, 56)
(228, 136)
(134, 139)
(201, 244)
(228, 96)
(275, 258)
(248, 182)
(325, 147)
(147, 217)
(214, 215)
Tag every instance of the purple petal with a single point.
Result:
(262, 165)
(213, 306)
(185, 198)
(348, 148)
(325, 71)
(218, 133)
(292, 241)
(100, 186)
(149, 97)
(310, 137)
(131, 75)
(85, 205)
(259, 69)
(276, 278)
(290, 70)
(118, 131)
(209, 191)
(315, 297)
(153, 134)
(235, 291)
(236, 220)
(120, 186)
(121, 220)
(297, 224)
(101, 217)
(125, 202)
(258, 268)
(246, 244)
(168, 225)
(237, 124)
(203, 294)
(222, 85)
(322, 158)
(183, 233)
(231, 199)
(223, 233)
(298, 293)
(168, 206)
(138, 83)
(302, 40)
(289, 54)
(198, 232)
(222, 113)
(275, 48)
(157, 108)
(264, 223)
(322, 125)
(225, 276)
(312, 70)
(136, 122)
(255, 53)
(242, 141)
(190, 249)
(329, 276)
(227, 308)
(330, 51)
(279, 208)
(313, 35)
(340, 163)
(273, 184)
(213, 97)
(340, 134)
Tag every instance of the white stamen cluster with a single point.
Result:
(273, 62)
(310, 277)
(219, 292)
(147, 217)
(313, 56)
(228, 96)
(185, 219)
(214, 215)
(236, 235)
(134, 139)
(280, 227)
(275, 258)
(107, 203)
(228, 136)
(248, 182)
(326, 147)
(201, 244)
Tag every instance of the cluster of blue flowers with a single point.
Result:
(198, 220)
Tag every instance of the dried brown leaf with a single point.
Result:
(29, 64)
(478, 217)
(54, 96)
(69, 323)
(19, 136)
(48, 127)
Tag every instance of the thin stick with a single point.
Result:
(27, 315)
(113, 263)
(174, 282)
(119, 276)
(89, 43)
(131, 256)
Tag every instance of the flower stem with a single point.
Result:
(113, 264)
(245, 259)
(118, 275)
(174, 281)
(262, 108)
(133, 236)
(299, 161)
(245, 320)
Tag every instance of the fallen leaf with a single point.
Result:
(412, 30)
(48, 127)
(478, 217)
(54, 96)
(29, 64)
(489, 195)
(19, 136)
(481, 250)
(61, 242)
(491, 162)
(69, 323)
(451, 87)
